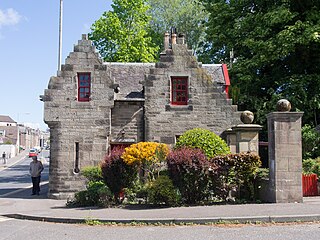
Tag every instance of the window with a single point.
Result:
(77, 161)
(179, 90)
(2, 133)
(84, 83)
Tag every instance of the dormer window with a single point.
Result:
(84, 87)
(179, 90)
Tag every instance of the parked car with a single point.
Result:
(33, 152)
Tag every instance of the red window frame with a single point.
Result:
(84, 87)
(179, 90)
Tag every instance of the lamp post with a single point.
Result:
(60, 35)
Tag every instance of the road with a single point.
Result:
(16, 179)
(12, 229)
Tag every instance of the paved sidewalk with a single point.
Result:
(21, 205)
(44, 209)
(14, 160)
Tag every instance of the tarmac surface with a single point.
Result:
(19, 204)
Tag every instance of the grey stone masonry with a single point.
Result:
(208, 106)
(285, 157)
(244, 138)
(128, 103)
(73, 123)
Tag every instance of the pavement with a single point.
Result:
(21, 205)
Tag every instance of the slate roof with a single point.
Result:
(8, 119)
(215, 70)
(129, 76)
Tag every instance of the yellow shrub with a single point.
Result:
(147, 152)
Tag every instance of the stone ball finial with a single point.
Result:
(247, 117)
(283, 105)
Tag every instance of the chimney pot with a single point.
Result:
(174, 39)
(166, 41)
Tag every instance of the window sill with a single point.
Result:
(179, 107)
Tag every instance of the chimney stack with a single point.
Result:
(174, 39)
(166, 41)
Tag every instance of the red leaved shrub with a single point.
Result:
(116, 173)
(188, 168)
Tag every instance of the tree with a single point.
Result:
(276, 46)
(122, 34)
(188, 16)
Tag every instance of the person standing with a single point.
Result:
(4, 157)
(35, 170)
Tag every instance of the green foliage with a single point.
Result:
(96, 194)
(162, 191)
(121, 35)
(188, 16)
(187, 168)
(116, 173)
(203, 139)
(310, 142)
(137, 192)
(92, 173)
(276, 48)
(233, 171)
(311, 166)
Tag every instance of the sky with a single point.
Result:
(29, 45)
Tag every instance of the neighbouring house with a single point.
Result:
(8, 136)
(92, 106)
(8, 130)
(17, 135)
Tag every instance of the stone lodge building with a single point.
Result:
(91, 106)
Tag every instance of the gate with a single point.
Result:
(310, 185)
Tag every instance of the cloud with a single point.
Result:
(9, 17)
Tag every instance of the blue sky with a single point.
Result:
(29, 37)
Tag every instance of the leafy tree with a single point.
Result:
(310, 142)
(276, 47)
(122, 34)
(188, 16)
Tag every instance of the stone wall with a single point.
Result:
(71, 121)
(127, 122)
(207, 107)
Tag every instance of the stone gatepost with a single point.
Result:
(244, 137)
(285, 154)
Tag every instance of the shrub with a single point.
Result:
(311, 166)
(116, 173)
(187, 168)
(210, 143)
(233, 171)
(137, 193)
(149, 156)
(96, 194)
(310, 142)
(162, 191)
(92, 173)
